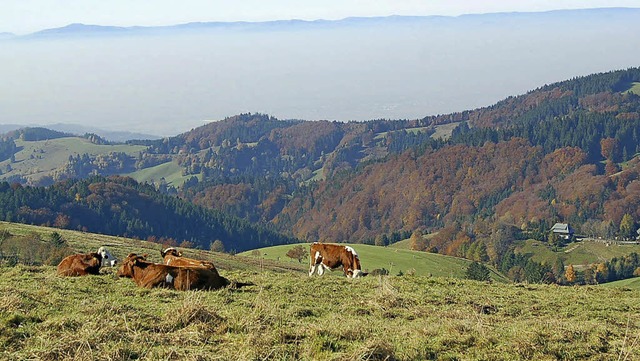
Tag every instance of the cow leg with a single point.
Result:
(323, 268)
(313, 269)
(316, 265)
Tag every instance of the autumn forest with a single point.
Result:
(565, 152)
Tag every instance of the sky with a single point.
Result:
(27, 16)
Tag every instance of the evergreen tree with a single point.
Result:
(478, 271)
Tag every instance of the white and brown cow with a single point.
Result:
(86, 264)
(149, 275)
(329, 256)
(173, 257)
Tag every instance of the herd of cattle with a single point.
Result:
(182, 273)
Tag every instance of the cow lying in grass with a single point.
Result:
(86, 264)
(149, 275)
(173, 257)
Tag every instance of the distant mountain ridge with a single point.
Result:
(80, 29)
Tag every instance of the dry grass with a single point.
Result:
(288, 316)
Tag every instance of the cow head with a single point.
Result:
(171, 251)
(108, 260)
(126, 269)
(354, 270)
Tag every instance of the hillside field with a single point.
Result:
(394, 260)
(577, 253)
(635, 88)
(170, 171)
(629, 283)
(37, 159)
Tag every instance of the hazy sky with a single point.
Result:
(26, 16)
(169, 83)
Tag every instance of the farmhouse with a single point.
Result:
(562, 230)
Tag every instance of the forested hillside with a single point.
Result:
(565, 152)
(482, 178)
(121, 206)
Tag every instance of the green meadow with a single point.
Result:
(395, 260)
(171, 172)
(576, 253)
(635, 88)
(37, 159)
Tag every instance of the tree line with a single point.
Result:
(121, 206)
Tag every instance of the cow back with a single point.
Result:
(170, 260)
(149, 275)
(197, 278)
(80, 265)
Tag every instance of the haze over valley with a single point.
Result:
(167, 80)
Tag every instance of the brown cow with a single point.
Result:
(173, 257)
(148, 275)
(330, 256)
(85, 264)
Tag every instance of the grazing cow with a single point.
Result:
(330, 256)
(85, 264)
(173, 257)
(148, 275)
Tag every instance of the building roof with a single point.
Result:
(563, 228)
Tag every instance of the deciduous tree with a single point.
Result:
(217, 246)
(570, 274)
(417, 242)
(298, 252)
(627, 227)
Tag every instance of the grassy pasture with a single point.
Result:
(287, 315)
(444, 131)
(415, 130)
(629, 283)
(635, 88)
(170, 171)
(39, 158)
(577, 253)
(392, 259)
(120, 247)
